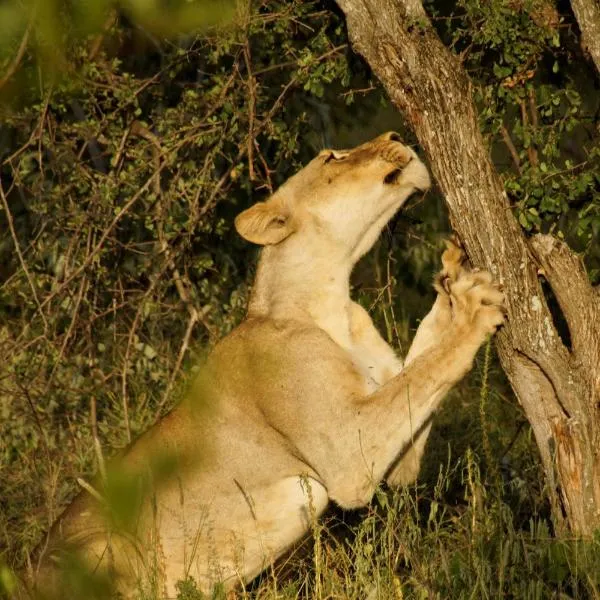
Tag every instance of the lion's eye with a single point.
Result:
(334, 156)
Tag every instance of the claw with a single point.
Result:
(454, 240)
(453, 257)
(446, 281)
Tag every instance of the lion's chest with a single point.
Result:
(372, 358)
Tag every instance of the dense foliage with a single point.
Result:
(540, 106)
(119, 181)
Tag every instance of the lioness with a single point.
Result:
(306, 403)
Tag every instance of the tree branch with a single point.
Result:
(429, 86)
(22, 262)
(587, 13)
(511, 148)
(568, 279)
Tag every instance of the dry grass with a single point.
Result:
(467, 530)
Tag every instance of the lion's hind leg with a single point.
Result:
(244, 533)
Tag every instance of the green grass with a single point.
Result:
(475, 526)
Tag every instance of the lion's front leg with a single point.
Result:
(407, 467)
(438, 319)
(432, 327)
(384, 422)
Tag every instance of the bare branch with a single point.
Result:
(99, 245)
(511, 148)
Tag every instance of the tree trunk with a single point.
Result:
(587, 13)
(558, 387)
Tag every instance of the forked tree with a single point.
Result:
(558, 385)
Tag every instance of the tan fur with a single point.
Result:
(304, 403)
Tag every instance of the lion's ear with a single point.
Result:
(265, 223)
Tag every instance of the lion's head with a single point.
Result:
(343, 196)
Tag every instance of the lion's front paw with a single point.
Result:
(477, 303)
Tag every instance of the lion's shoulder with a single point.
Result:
(263, 354)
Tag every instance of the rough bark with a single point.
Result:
(558, 387)
(587, 13)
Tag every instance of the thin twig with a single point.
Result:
(362, 91)
(103, 237)
(511, 148)
(15, 240)
(116, 160)
(157, 152)
(132, 330)
(382, 290)
(533, 108)
(531, 151)
(390, 284)
(512, 441)
(38, 423)
(67, 337)
(12, 69)
(194, 317)
(182, 290)
(35, 134)
(251, 85)
(268, 181)
(267, 119)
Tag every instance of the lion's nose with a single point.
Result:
(391, 136)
